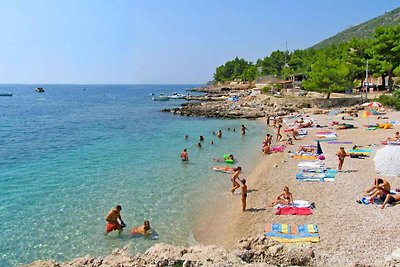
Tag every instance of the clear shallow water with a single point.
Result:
(70, 154)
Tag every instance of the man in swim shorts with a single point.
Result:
(184, 155)
(112, 220)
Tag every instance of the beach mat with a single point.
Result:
(305, 157)
(294, 211)
(311, 165)
(326, 139)
(286, 233)
(319, 170)
(340, 142)
(314, 179)
(315, 175)
(298, 203)
(359, 151)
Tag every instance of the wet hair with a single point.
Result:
(146, 225)
(184, 150)
(118, 207)
(231, 156)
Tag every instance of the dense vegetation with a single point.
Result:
(334, 68)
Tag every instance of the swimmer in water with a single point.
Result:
(142, 230)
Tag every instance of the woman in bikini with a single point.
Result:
(235, 184)
(391, 199)
(285, 198)
(341, 156)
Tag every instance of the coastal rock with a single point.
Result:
(40, 263)
(275, 249)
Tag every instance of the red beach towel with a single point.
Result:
(293, 211)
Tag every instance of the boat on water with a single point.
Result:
(175, 95)
(40, 90)
(6, 94)
(161, 97)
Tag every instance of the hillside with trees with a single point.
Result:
(364, 30)
(332, 68)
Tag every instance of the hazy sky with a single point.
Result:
(164, 41)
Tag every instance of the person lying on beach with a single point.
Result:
(235, 184)
(285, 198)
(223, 169)
(142, 230)
(390, 199)
(112, 220)
(184, 155)
(300, 121)
(380, 188)
(395, 138)
(306, 149)
(341, 156)
(306, 125)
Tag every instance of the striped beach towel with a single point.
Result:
(286, 233)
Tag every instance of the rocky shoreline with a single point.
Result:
(235, 102)
(254, 251)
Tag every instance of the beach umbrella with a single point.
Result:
(319, 149)
(372, 105)
(366, 114)
(387, 161)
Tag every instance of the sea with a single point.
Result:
(70, 154)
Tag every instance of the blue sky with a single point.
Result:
(164, 41)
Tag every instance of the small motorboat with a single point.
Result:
(40, 90)
(175, 95)
(161, 97)
(6, 94)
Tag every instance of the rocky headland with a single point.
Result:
(245, 102)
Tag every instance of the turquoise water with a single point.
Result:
(70, 154)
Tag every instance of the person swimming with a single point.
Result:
(144, 230)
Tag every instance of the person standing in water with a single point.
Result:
(219, 134)
(268, 120)
(235, 176)
(341, 155)
(184, 155)
(112, 220)
(244, 129)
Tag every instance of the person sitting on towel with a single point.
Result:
(381, 188)
(285, 198)
(391, 199)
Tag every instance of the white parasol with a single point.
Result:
(387, 161)
(372, 105)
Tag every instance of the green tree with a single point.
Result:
(250, 74)
(385, 52)
(328, 74)
(231, 70)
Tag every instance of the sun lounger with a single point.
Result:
(286, 233)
